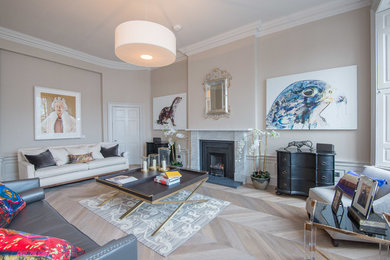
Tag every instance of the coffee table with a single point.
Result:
(324, 218)
(148, 191)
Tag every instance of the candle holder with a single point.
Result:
(145, 164)
(153, 161)
(163, 154)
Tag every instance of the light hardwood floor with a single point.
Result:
(257, 225)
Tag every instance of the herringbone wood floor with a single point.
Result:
(257, 225)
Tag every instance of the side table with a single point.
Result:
(324, 218)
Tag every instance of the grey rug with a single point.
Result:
(146, 219)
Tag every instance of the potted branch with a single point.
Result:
(173, 136)
(260, 176)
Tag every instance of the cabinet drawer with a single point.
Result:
(284, 172)
(284, 184)
(302, 186)
(303, 173)
(326, 162)
(283, 159)
(325, 177)
(305, 160)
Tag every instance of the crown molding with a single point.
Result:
(222, 39)
(258, 29)
(31, 41)
(311, 15)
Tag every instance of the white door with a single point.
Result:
(125, 129)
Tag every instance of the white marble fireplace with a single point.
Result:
(240, 172)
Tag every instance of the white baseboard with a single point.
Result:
(9, 168)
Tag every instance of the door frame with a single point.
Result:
(141, 120)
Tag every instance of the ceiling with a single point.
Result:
(88, 25)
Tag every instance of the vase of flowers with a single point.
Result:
(260, 176)
(173, 137)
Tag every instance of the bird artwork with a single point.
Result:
(301, 104)
(168, 113)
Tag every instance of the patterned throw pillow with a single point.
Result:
(80, 158)
(348, 184)
(10, 205)
(20, 245)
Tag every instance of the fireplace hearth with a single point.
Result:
(217, 157)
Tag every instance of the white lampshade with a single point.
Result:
(145, 43)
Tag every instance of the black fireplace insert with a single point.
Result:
(217, 157)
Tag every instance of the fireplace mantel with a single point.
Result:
(222, 135)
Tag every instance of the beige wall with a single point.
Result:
(166, 81)
(22, 67)
(238, 59)
(120, 86)
(18, 76)
(337, 41)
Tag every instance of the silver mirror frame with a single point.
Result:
(217, 77)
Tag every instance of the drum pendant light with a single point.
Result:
(145, 43)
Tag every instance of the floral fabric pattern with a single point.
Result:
(20, 245)
(10, 205)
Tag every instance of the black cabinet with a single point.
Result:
(300, 171)
(153, 147)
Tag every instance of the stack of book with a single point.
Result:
(168, 178)
(374, 224)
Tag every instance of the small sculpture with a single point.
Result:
(300, 144)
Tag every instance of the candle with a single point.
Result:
(145, 166)
(164, 165)
(154, 163)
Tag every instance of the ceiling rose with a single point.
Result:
(145, 43)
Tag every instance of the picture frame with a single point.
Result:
(364, 195)
(338, 194)
(316, 100)
(170, 111)
(57, 113)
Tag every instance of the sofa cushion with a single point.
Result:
(80, 158)
(376, 173)
(110, 152)
(325, 194)
(58, 170)
(42, 160)
(24, 245)
(41, 218)
(60, 155)
(106, 162)
(81, 149)
(10, 205)
(95, 149)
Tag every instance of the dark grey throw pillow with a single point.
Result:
(42, 160)
(110, 152)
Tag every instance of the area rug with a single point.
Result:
(146, 219)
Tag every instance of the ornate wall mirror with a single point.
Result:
(216, 86)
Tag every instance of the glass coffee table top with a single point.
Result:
(323, 215)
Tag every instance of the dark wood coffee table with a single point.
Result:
(146, 190)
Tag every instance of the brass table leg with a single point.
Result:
(176, 210)
(139, 204)
(110, 198)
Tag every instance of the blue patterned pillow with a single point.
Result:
(10, 205)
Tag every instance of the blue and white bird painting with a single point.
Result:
(301, 105)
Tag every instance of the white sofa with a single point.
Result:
(64, 172)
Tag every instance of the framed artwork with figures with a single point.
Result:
(57, 113)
